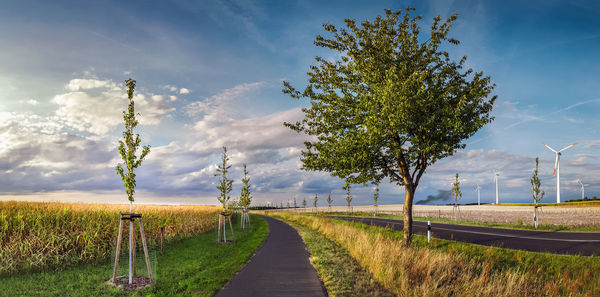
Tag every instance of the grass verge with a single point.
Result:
(474, 223)
(198, 266)
(448, 268)
(341, 274)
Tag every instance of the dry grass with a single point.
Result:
(419, 271)
(35, 236)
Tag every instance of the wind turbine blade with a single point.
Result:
(555, 163)
(572, 145)
(549, 147)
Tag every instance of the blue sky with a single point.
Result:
(209, 74)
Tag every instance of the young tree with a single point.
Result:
(245, 196)
(315, 202)
(391, 105)
(537, 192)
(348, 196)
(128, 148)
(303, 202)
(295, 205)
(455, 191)
(225, 185)
(246, 199)
(375, 198)
(329, 201)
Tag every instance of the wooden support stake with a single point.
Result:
(162, 237)
(118, 251)
(219, 229)
(231, 227)
(145, 250)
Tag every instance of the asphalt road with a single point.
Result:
(280, 267)
(573, 243)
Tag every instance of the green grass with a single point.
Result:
(198, 266)
(577, 271)
(341, 274)
(475, 223)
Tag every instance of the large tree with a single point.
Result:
(392, 104)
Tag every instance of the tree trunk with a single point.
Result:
(408, 220)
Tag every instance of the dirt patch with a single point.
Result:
(137, 282)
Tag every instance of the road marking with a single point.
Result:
(492, 234)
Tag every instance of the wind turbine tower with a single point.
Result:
(478, 196)
(557, 167)
(582, 189)
(496, 174)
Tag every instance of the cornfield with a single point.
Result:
(35, 236)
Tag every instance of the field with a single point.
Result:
(195, 266)
(568, 214)
(447, 268)
(41, 236)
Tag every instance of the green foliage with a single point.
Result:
(392, 104)
(455, 192)
(130, 144)
(245, 197)
(537, 193)
(303, 202)
(329, 199)
(225, 184)
(315, 200)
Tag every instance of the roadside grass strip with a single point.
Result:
(449, 268)
(341, 274)
(197, 266)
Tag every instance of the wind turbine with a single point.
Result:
(557, 168)
(582, 189)
(496, 175)
(478, 196)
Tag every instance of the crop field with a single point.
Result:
(35, 236)
(574, 215)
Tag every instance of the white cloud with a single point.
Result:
(100, 113)
(184, 91)
(221, 103)
(170, 88)
(31, 102)
(86, 84)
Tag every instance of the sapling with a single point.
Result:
(303, 202)
(246, 198)
(537, 192)
(457, 195)
(375, 198)
(128, 148)
(348, 196)
(329, 201)
(225, 186)
(315, 202)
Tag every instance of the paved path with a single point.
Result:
(573, 243)
(280, 267)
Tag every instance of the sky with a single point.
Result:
(209, 74)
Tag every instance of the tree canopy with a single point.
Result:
(392, 104)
